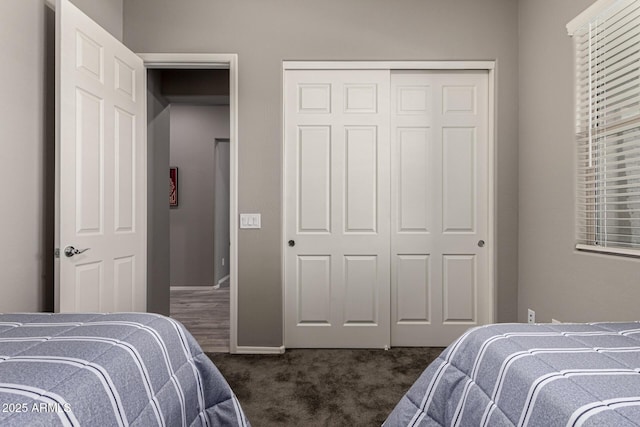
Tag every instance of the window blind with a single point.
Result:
(607, 61)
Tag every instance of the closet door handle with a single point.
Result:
(481, 243)
(292, 243)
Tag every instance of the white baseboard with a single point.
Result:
(192, 288)
(259, 350)
(220, 282)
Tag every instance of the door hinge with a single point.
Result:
(56, 252)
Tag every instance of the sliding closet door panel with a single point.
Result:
(337, 212)
(439, 140)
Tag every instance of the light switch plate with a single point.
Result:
(251, 220)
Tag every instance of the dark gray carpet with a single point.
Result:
(323, 387)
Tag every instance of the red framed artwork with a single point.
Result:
(173, 186)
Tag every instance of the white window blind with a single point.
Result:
(607, 49)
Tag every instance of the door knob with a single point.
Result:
(481, 243)
(70, 251)
(292, 243)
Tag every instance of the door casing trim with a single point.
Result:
(217, 61)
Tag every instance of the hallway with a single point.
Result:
(205, 313)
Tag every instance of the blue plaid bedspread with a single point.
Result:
(530, 375)
(122, 369)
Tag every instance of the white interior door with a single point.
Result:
(337, 208)
(439, 240)
(101, 150)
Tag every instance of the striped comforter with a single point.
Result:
(530, 375)
(108, 370)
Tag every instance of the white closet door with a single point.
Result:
(102, 168)
(439, 218)
(337, 213)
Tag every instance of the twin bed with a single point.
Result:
(145, 369)
(530, 375)
(133, 369)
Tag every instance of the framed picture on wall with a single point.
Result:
(173, 186)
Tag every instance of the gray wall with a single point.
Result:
(158, 123)
(107, 13)
(555, 280)
(27, 34)
(194, 129)
(265, 33)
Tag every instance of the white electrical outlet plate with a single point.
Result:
(252, 220)
(532, 316)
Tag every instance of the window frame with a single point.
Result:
(591, 180)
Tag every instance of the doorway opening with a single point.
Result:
(191, 133)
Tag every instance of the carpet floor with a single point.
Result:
(323, 387)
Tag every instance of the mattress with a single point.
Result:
(530, 375)
(121, 369)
